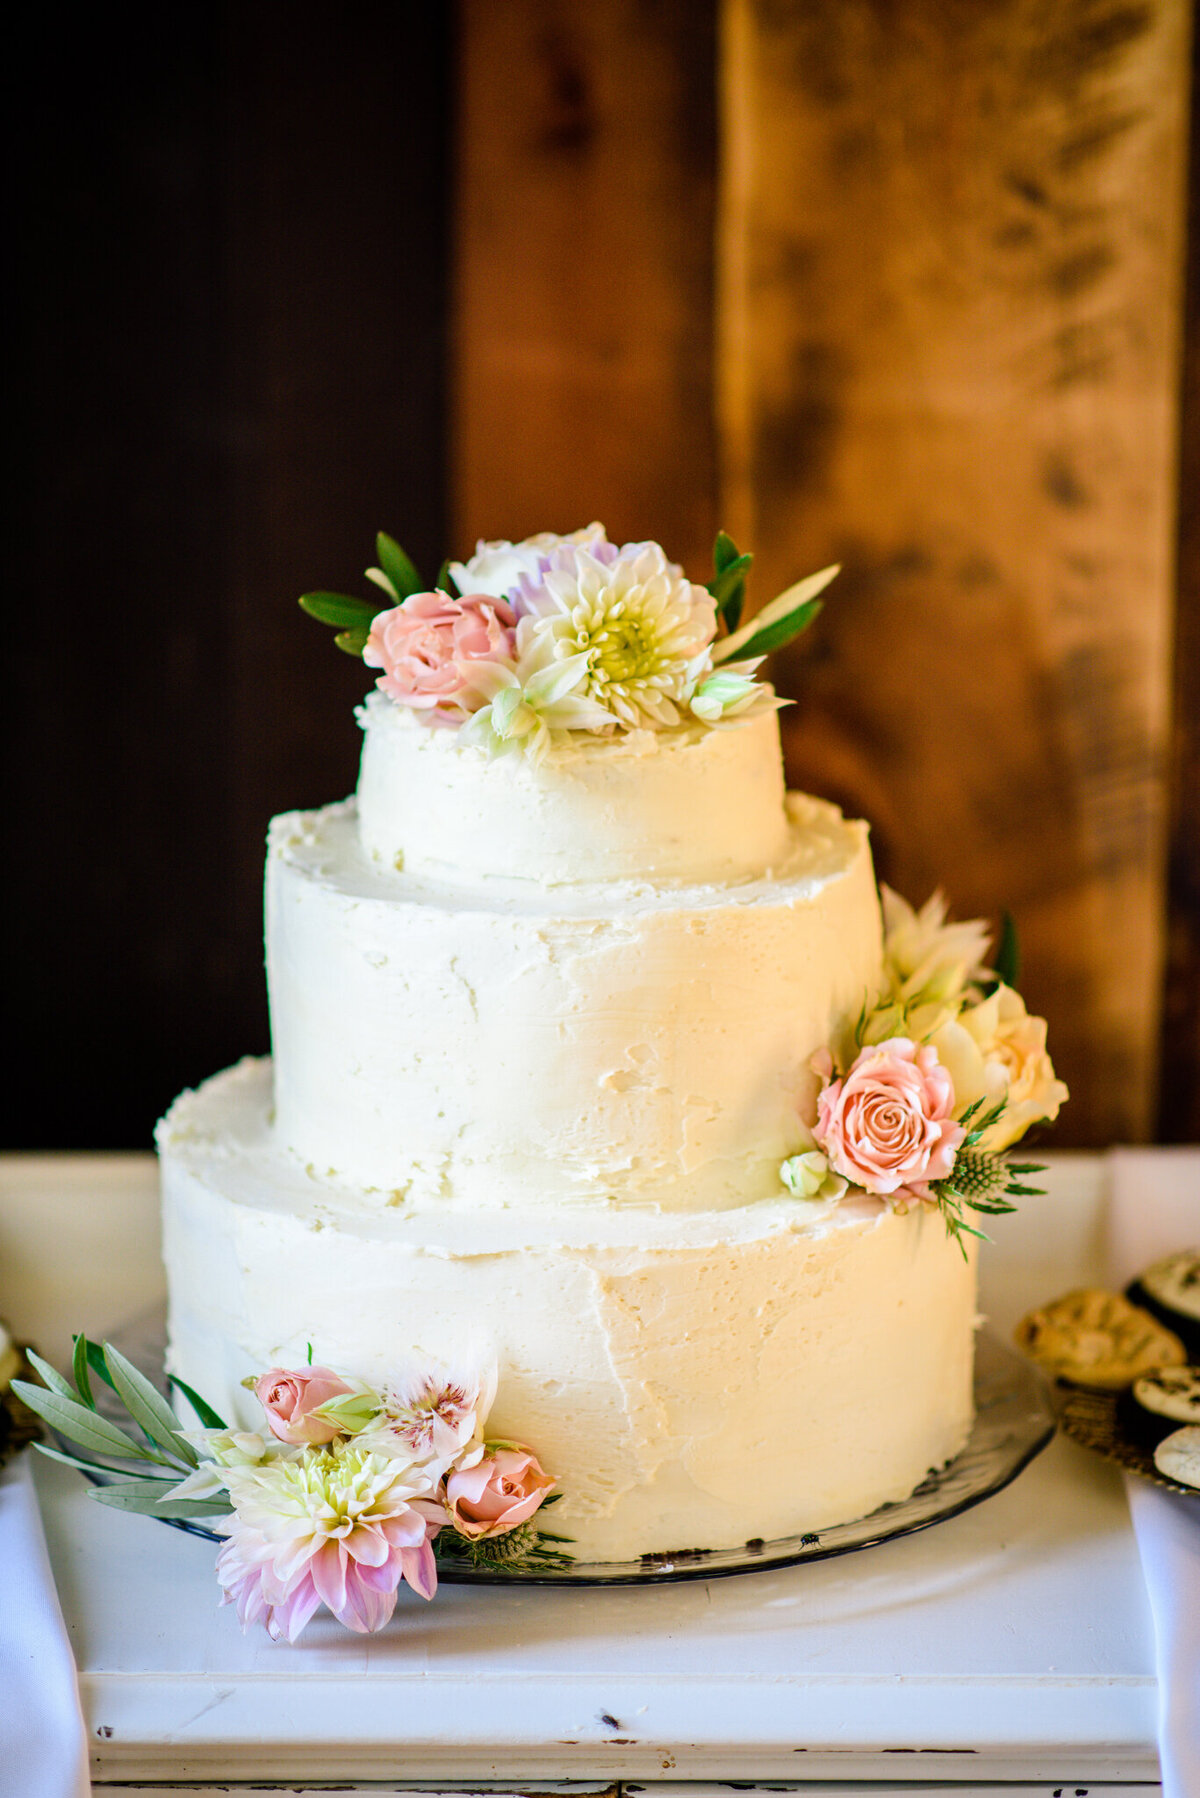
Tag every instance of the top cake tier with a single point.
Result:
(690, 805)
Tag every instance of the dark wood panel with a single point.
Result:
(952, 251)
(229, 265)
(585, 263)
(1179, 1091)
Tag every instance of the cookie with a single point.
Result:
(1095, 1338)
(1170, 1291)
(1158, 1403)
(1177, 1457)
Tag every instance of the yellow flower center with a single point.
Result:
(624, 650)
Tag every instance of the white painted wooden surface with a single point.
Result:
(1010, 1644)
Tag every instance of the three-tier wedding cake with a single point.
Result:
(592, 1062)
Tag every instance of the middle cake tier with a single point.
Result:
(622, 1043)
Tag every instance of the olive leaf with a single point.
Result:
(398, 566)
(778, 623)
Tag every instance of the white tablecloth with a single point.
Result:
(43, 1752)
(1156, 1209)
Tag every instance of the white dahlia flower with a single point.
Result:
(496, 568)
(643, 629)
(931, 961)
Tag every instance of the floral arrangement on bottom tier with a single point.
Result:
(354, 1491)
(939, 1073)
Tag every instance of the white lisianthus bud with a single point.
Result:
(809, 1176)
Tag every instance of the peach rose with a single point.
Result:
(888, 1125)
(290, 1396)
(426, 646)
(503, 1489)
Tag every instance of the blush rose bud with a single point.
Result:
(291, 1398)
(501, 1491)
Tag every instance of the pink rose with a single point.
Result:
(499, 1492)
(426, 646)
(290, 1396)
(887, 1125)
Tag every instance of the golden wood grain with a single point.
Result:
(583, 319)
(949, 350)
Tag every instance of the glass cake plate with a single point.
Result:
(1014, 1421)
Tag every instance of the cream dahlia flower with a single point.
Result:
(929, 961)
(642, 628)
(996, 1050)
(339, 1527)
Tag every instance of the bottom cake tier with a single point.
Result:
(691, 1380)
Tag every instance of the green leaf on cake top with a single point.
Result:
(728, 585)
(635, 645)
(396, 577)
(397, 572)
(780, 622)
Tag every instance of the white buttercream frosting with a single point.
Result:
(542, 1039)
(692, 1381)
(692, 804)
(520, 1045)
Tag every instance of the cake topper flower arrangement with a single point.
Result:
(350, 1492)
(941, 1072)
(526, 643)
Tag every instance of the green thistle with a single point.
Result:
(978, 1175)
(527, 1549)
(980, 1180)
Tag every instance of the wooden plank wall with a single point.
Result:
(584, 312)
(947, 326)
(951, 283)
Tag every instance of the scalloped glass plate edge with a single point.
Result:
(1014, 1421)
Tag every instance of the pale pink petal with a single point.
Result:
(296, 1611)
(365, 1609)
(419, 1568)
(327, 1570)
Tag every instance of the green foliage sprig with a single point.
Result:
(69, 1407)
(527, 1549)
(397, 578)
(777, 624)
(980, 1180)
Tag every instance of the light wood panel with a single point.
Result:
(584, 292)
(951, 245)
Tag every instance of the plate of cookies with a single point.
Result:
(1125, 1368)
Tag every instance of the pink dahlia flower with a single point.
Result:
(887, 1125)
(427, 645)
(342, 1529)
(501, 1490)
(290, 1397)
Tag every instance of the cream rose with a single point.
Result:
(996, 1050)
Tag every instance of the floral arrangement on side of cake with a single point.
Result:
(354, 1491)
(938, 1074)
(527, 642)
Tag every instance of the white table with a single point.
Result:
(1011, 1644)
